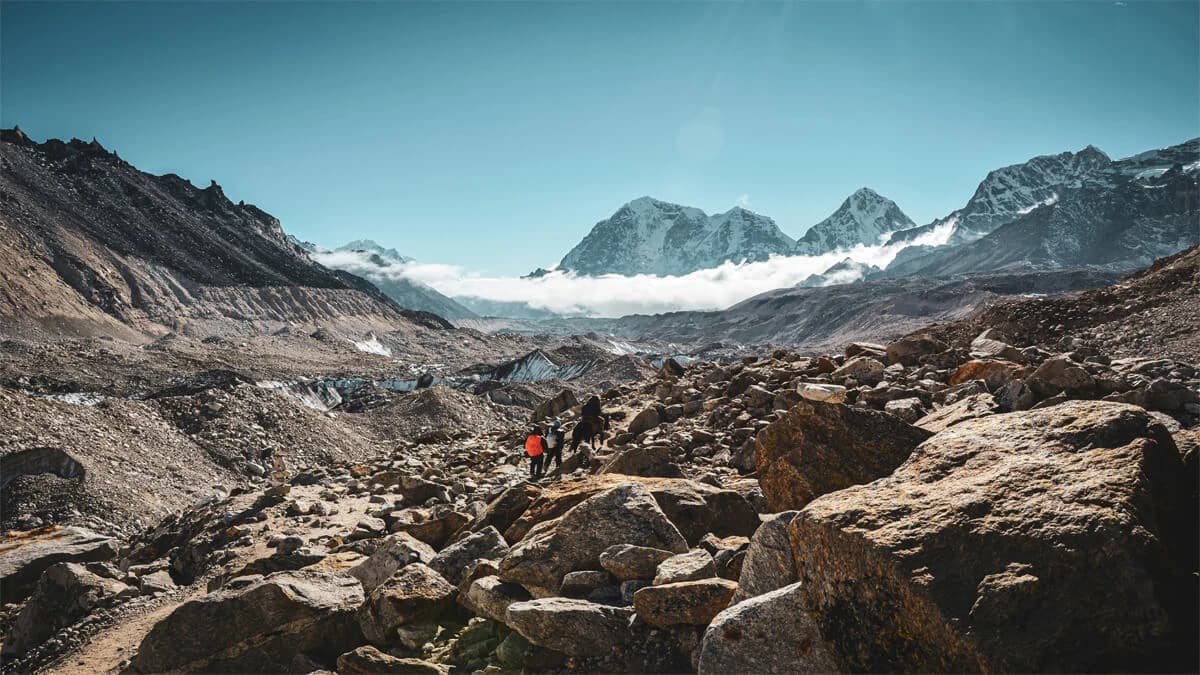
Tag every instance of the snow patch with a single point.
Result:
(372, 345)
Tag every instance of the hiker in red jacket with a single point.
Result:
(535, 448)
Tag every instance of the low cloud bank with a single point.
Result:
(614, 295)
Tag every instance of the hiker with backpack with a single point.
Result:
(555, 440)
(535, 449)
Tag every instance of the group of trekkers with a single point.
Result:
(542, 448)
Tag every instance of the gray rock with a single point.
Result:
(768, 633)
(695, 564)
(413, 594)
(574, 627)
(688, 602)
(452, 561)
(398, 550)
(627, 562)
(270, 625)
(23, 558)
(769, 563)
(489, 597)
(65, 593)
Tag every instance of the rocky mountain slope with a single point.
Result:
(817, 318)
(88, 242)
(647, 236)
(865, 217)
(1069, 209)
(949, 501)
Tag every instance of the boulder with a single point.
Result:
(278, 623)
(694, 507)
(866, 349)
(988, 347)
(695, 564)
(570, 626)
(432, 526)
(555, 405)
(818, 448)
(25, 555)
(969, 408)
(644, 421)
(1015, 529)
(995, 373)
(397, 550)
(822, 393)
(627, 562)
(769, 562)
(65, 593)
(768, 633)
(452, 561)
(489, 597)
(626, 513)
(644, 461)
(862, 369)
(417, 490)
(1060, 374)
(908, 409)
(687, 602)
(670, 369)
(504, 510)
(368, 660)
(909, 350)
(413, 594)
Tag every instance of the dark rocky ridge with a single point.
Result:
(98, 241)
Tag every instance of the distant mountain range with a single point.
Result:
(1054, 211)
(383, 267)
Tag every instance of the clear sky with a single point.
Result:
(495, 135)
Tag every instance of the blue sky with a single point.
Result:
(495, 135)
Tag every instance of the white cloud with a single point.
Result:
(615, 295)
(744, 201)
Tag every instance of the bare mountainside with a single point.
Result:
(874, 310)
(89, 243)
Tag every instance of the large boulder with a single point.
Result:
(695, 508)
(644, 461)
(505, 509)
(489, 597)
(559, 403)
(818, 448)
(396, 551)
(280, 623)
(686, 602)
(413, 594)
(627, 562)
(626, 513)
(1052, 539)
(695, 564)
(995, 373)
(769, 562)
(822, 393)
(1061, 374)
(570, 626)
(65, 593)
(645, 420)
(967, 408)
(861, 369)
(25, 555)
(768, 633)
(910, 350)
(991, 345)
(452, 561)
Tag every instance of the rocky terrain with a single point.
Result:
(1012, 491)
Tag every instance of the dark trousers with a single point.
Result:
(554, 455)
(535, 465)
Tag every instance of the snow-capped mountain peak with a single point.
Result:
(865, 217)
(370, 246)
(650, 236)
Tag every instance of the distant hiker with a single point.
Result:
(555, 440)
(535, 447)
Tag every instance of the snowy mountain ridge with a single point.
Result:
(649, 236)
(865, 217)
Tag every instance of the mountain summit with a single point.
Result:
(866, 217)
(648, 236)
